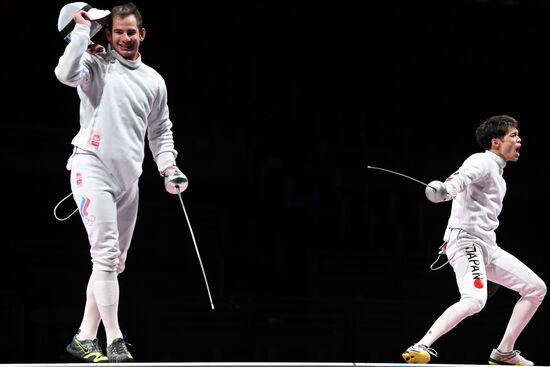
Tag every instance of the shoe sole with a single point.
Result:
(90, 359)
(121, 360)
(416, 357)
(493, 362)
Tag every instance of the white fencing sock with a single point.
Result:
(91, 319)
(523, 312)
(450, 318)
(106, 292)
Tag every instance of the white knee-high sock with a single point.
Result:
(91, 319)
(523, 312)
(106, 292)
(449, 319)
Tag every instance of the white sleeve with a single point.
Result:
(71, 68)
(159, 131)
(165, 160)
(473, 169)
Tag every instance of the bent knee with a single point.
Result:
(536, 290)
(474, 304)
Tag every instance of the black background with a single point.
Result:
(278, 109)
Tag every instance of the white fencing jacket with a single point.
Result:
(121, 102)
(480, 190)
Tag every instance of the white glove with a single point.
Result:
(436, 192)
(174, 180)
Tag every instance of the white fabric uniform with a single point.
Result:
(473, 251)
(481, 189)
(121, 103)
(108, 212)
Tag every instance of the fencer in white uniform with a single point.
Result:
(123, 103)
(477, 192)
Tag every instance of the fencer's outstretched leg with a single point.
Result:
(530, 287)
(523, 312)
(451, 317)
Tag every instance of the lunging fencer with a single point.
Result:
(122, 101)
(477, 191)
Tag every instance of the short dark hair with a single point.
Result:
(494, 127)
(125, 10)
